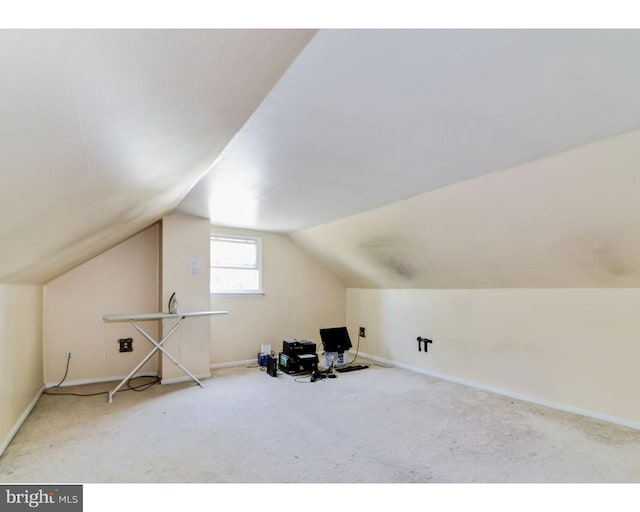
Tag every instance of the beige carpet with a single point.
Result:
(376, 425)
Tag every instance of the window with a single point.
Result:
(236, 264)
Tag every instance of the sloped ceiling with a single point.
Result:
(102, 132)
(566, 221)
(447, 158)
(364, 118)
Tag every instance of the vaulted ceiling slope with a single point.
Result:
(364, 118)
(102, 132)
(565, 221)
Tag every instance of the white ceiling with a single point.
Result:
(102, 132)
(364, 118)
(566, 221)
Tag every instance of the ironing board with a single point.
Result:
(142, 317)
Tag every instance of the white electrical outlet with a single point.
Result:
(68, 353)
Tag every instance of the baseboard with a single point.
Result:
(518, 396)
(21, 419)
(96, 380)
(233, 364)
(184, 378)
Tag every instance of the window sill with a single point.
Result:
(238, 294)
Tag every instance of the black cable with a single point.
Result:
(139, 387)
(47, 392)
(66, 371)
(356, 356)
(320, 375)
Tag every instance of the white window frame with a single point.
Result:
(258, 267)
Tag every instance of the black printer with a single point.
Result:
(298, 356)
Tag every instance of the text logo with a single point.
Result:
(52, 498)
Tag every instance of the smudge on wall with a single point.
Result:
(392, 254)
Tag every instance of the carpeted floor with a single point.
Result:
(376, 425)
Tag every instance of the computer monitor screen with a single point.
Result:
(335, 339)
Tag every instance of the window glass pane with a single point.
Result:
(234, 253)
(233, 279)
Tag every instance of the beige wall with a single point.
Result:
(125, 279)
(300, 297)
(528, 279)
(20, 355)
(567, 221)
(574, 347)
(183, 238)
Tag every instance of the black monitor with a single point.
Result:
(335, 339)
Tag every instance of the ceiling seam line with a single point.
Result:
(79, 123)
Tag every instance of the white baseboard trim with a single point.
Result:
(21, 420)
(184, 378)
(233, 364)
(518, 396)
(96, 380)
